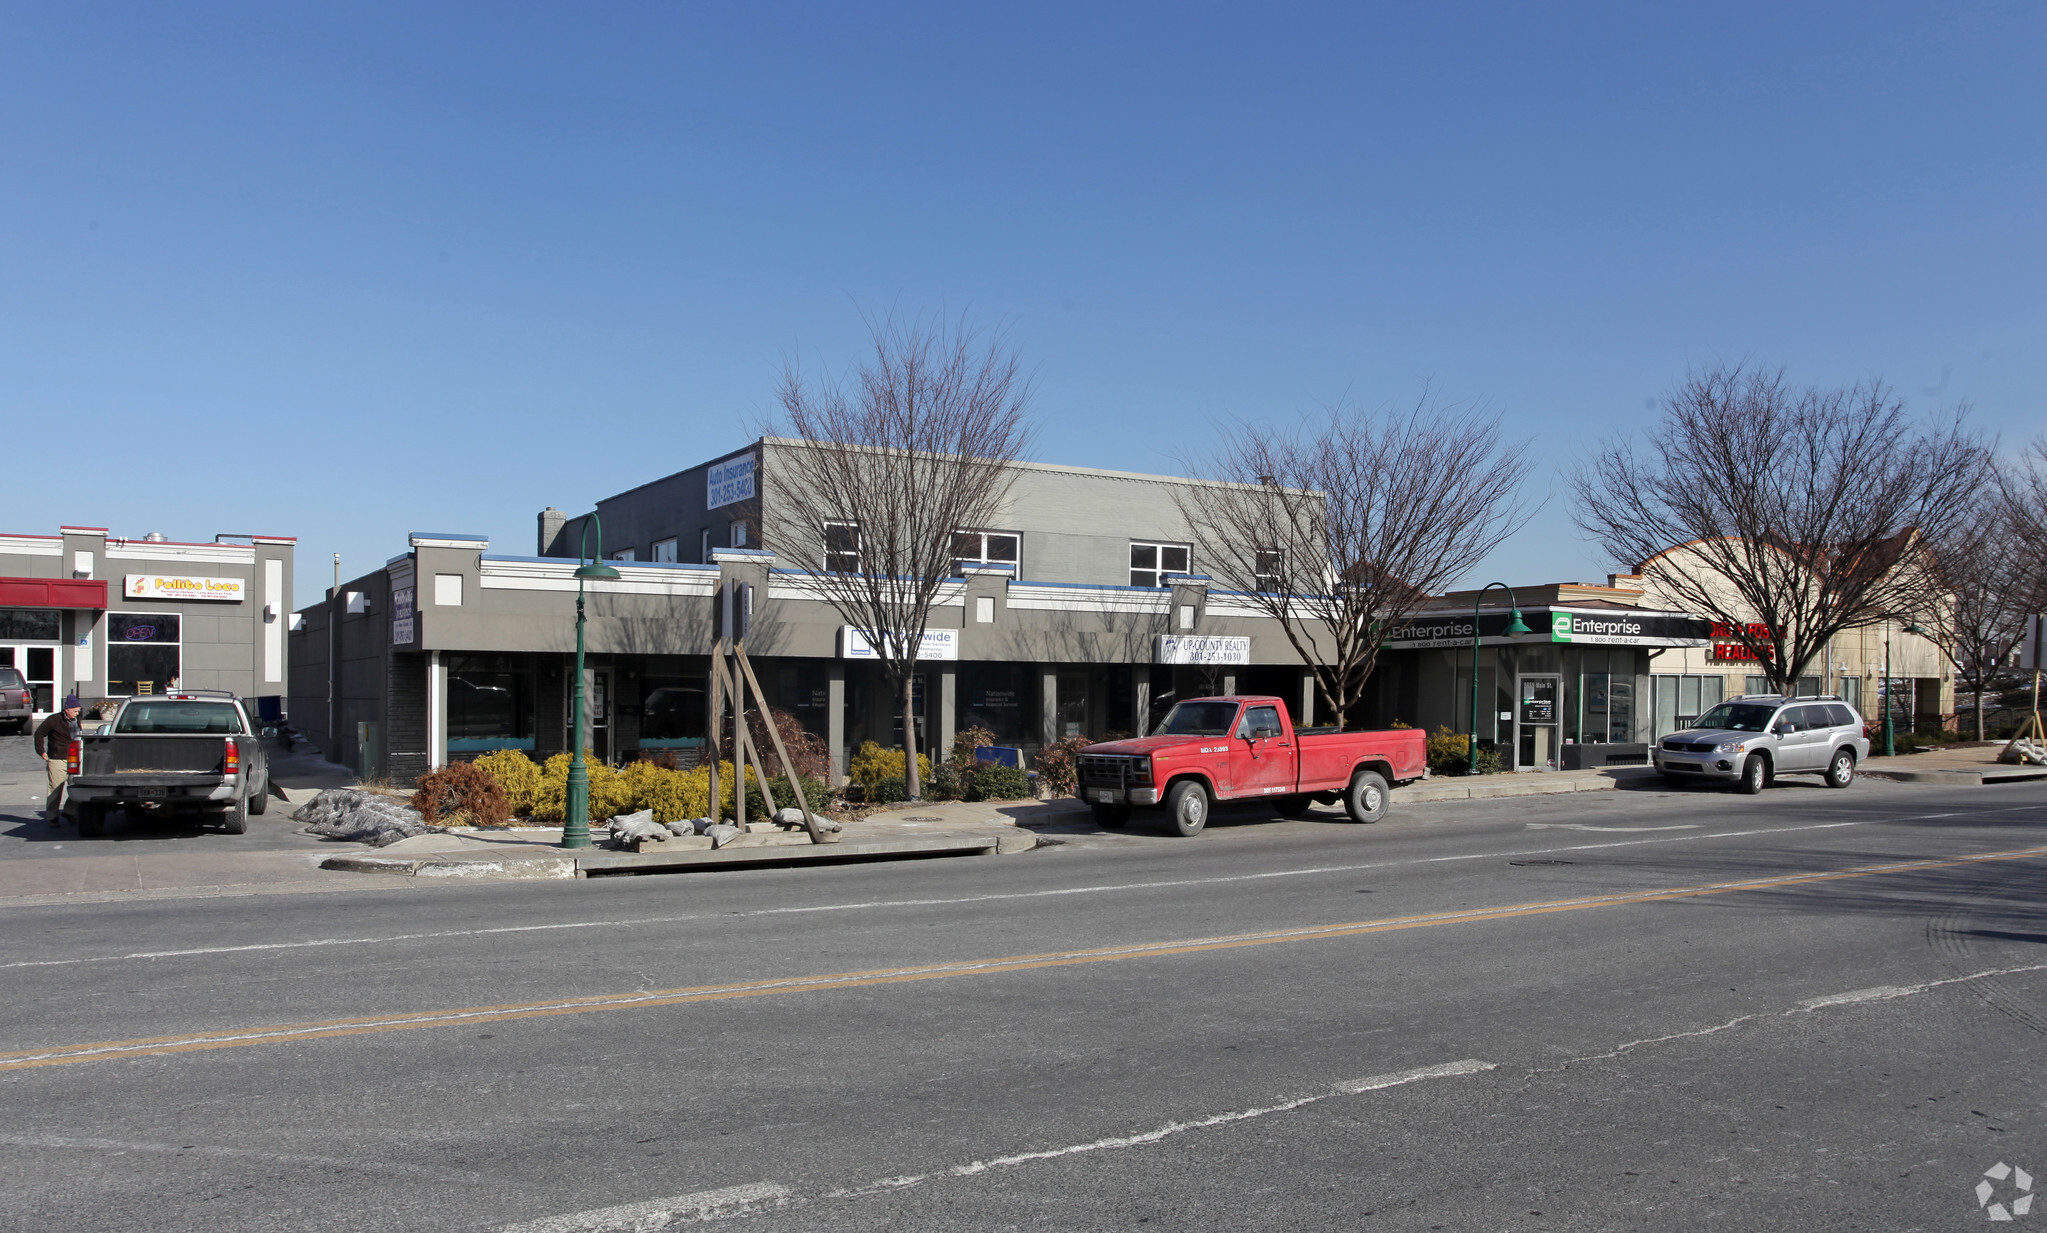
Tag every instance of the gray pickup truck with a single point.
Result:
(190, 752)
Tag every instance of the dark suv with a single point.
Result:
(17, 704)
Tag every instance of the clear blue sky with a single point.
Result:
(342, 271)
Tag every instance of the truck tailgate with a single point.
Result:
(146, 755)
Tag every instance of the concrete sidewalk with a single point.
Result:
(1965, 764)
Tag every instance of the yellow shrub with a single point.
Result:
(610, 793)
(871, 764)
(518, 775)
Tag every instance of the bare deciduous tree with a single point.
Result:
(1788, 515)
(882, 469)
(1983, 611)
(1341, 530)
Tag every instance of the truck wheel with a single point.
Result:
(1109, 817)
(1366, 799)
(260, 801)
(1295, 806)
(1187, 808)
(1841, 771)
(92, 821)
(1754, 774)
(235, 818)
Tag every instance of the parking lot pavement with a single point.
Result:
(44, 863)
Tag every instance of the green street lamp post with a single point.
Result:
(1890, 739)
(1515, 627)
(576, 810)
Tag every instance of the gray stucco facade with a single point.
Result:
(108, 616)
(453, 649)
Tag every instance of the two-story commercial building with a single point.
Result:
(106, 616)
(1080, 609)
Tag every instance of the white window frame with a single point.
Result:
(705, 547)
(664, 551)
(1158, 569)
(626, 554)
(735, 533)
(1016, 563)
(1262, 581)
(829, 553)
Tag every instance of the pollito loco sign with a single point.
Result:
(161, 586)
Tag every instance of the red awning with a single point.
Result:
(53, 593)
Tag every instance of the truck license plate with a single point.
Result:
(1106, 795)
(149, 791)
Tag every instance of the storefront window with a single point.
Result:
(143, 653)
(490, 703)
(805, 691)
(998, 697)
(1682, 699)
(672, 710)
(30, 624)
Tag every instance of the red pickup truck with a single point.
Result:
(1246, 748)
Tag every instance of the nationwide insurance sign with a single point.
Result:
(1585, 627)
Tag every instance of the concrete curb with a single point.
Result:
(553, 863)
(2014, 774)
(1492, 787)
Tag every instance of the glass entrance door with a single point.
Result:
(600, 713)
(38, 666)
(1538, 712)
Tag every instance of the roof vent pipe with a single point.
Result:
(156, 537)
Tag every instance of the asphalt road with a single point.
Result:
(1810, 1010)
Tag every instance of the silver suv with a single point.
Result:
(1751, 740)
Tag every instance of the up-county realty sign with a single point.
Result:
(160, 586)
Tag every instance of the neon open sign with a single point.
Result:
(141, 633)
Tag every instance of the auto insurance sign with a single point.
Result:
(729, 482)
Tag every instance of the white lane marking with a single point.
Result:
(111, 1146)
(1352, 1087)
(1885, 993)
(660, 1213)
(1606, 830)
(860, 905)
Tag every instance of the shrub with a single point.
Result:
(993, 782)
(888, 791)
(947, 783)
(611, 793)
(968, 743)
(806, 749)
(1449, 752)
(1059, 765)
(871, 764)
(517, 774)
(1489, 760)
(464, 791)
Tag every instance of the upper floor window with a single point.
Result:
(997, 547)
(626, 554)
(704, 552)
(1150, 562)
(664, 551)
(842, 547)
(1267, 569)
(738, 529)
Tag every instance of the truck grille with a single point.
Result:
(1114, 770)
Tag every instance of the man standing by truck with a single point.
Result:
(53, 745)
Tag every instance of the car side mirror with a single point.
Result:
(1783, 730)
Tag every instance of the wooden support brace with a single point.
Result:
(817, 834)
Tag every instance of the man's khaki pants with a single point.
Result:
(53, 808)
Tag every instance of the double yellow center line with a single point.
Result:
(65, 1055)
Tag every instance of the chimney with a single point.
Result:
(551, 522)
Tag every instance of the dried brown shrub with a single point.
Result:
(461, 788)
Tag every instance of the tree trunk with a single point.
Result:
(913, 787)
(1979, 706)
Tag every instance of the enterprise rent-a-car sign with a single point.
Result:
(1589, 627)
